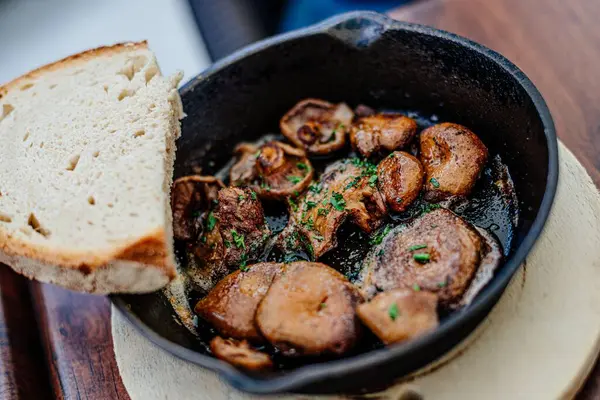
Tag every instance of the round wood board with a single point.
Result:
(539, 342)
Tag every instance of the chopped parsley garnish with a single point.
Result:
(399, 200)
(257, 154)
(253, 195)
(309, 247)
(340, 126)
(393, 312)
(322, 306)
(416, 288)
(322, 211)
(227, 243)
(430, 207)
(380, 253)
(417, 247)
(296, 193)
(318, 237)
(434, 182)
(293, 204)
(211, 221)
(294, 179)
(337, 201)
(238, 239)
(241, 197)
(422, 257)
(315, 188)
(302, 166)
(203, 239)
(196, 214)
(353, 183)
(378, 237)
(265, 185)
(309, 223)
(373, 180)
(442, 284)
(308, 205)
(244, 263)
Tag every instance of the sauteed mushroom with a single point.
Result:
(400, 314)
(231, 305)
(453, 158)
(240, 354)
(374, 133)
(400, 179)
(274, 170)
(439, 252)
(191, 197)
(316, 125)
(309, 310)
(347, 188)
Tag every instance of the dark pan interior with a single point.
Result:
(364, 58)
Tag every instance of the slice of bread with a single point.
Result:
(87, 146)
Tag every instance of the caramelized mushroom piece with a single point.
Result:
(453, 158)
(231, 305)
(274, 170)
(439, 252)
(375, 133)
(316, 125)
(240, 354)
(400, 179)
(309, 310)
(191, 196)
(347, 188)
(235, 233)
(400, 314)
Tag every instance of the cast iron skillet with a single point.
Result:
(363, 57)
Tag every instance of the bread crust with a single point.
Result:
(143, 264)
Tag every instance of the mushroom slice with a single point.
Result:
(191, 196)
(309, 310)
(234, 235)
(438, 252)
(231, 305)
(400, 314)
(453, 158)
(274, 170)
(316, 125)
(347, 188)
(399, 179)
(374, 133)
(240, 354)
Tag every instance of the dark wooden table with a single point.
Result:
(57, 344)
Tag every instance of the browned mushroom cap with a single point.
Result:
(453, 158)
(400, 314)
(231, 305)
(190, 197)
(347, 188)
(309, 310)
(274, 170)
(240, 354)
(400, 179)
(235, 233)
(439, 252)
(378, 132)
(316, 125)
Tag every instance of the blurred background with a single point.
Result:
(185, 34)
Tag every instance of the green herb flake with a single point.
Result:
(203, 239)
(442, 284)
(253, 195)
(211, 221)
(265, 185)
(318, 237)
(337, 201)
(378, 237)
(309, 223)
(393, 312)
(294, 179)
(196, 214)
(315, 188)
(399, 200)
(244, 263)
(302, 166)
(308, 205)
(257, 154)
(430, 207)
(422, 257)
(238, 239)
(380, 253)
(416, 288)
(353, 183)
(296, 193)
(434, 183)
(215, 202)
(241, 197)
(322, 306)
(373, 180)
(227, 243)
(293, 204)
(322, 211)
(417, 247)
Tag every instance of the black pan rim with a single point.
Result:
(305, 375)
